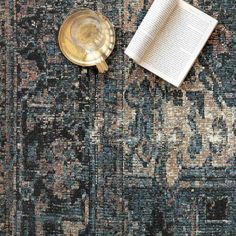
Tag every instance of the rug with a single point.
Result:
(123, 153)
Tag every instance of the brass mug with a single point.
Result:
(87, 38)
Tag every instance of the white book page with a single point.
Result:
(177, 45)
(153, 22)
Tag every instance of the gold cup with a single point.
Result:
(87, 38)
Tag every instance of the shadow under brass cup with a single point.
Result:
(87, 38)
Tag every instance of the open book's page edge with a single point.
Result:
(132, 55)
(186, 71)
(176, 82)
(213, 24)
(188, 6)
(151, 69)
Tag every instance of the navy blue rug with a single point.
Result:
(123, 153)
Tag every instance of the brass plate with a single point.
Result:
(76, 54)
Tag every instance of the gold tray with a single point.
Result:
(78, 55)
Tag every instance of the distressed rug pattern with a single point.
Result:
(118, 154)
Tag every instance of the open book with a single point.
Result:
(170, 38)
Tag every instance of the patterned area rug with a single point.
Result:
(118, 154)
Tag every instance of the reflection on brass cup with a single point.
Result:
(87, 38)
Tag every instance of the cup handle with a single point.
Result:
(102, 66)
